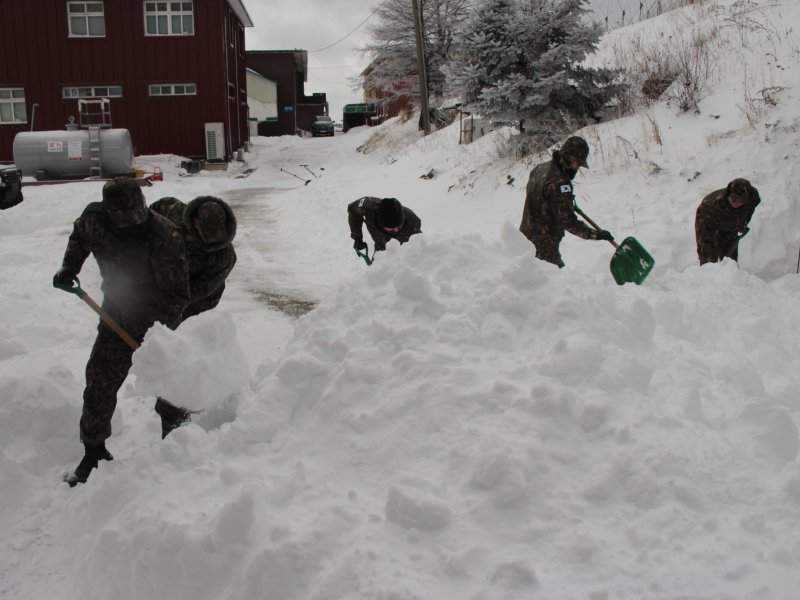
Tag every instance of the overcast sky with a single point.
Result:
(312, 25)
(332, 30)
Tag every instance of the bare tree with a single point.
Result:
(392, 46)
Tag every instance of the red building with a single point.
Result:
(390, 102)
(169, 68)
(289, 69)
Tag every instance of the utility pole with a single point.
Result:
(423, 78)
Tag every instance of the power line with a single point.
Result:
(332, 67)
(354, 30)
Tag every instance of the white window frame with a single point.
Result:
(85, 15)
(69, 92)
(168, 17)
(161, 90)
(16, 98)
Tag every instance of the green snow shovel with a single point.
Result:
(365, 256)
(631, 262)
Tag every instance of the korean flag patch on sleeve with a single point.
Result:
(566, 189)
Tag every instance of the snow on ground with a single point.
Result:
(457, 420)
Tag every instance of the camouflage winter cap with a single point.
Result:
(122, 192)
(123, 202)
(577, 148)
(740, 188)
(211, 221)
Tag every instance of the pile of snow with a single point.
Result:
(197, 368)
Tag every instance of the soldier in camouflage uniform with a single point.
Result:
(208, 226)
(722, 218)
(145, 274)
(550, 201)
(386, 219)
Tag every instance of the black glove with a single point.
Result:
(360, 245)
(64, 277)
(602, 234)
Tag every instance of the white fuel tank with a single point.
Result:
(66, 154)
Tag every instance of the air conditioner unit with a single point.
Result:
(215, 141)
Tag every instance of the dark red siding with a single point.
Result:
(37, 54)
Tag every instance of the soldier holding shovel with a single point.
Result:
(722, 219)
(550, 202)
(386, 219)
(145, 273)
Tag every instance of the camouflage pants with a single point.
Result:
(544, 241)
(720, 247)
(106, 370)
(547, 248)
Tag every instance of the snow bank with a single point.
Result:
(457, 420)
(464, 420)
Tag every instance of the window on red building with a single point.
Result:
(172, 89)
(168, 18)
(12, 105)
(86, 19)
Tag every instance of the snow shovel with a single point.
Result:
(735, 245)
(78, 291)
(365, 256)
(631, 262)
(310, 171)
(307, 181)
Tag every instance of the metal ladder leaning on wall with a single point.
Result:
(95, 171)
(95, 114)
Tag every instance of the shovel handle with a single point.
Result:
(365, 256)
(735, 244)
(593, 224)
(104, 316)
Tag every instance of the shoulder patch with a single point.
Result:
(566, 188)
(361, 202)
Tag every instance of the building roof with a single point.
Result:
(300, 58)
(259, 75)
(238, 7)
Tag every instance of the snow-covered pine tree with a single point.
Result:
(517, 62)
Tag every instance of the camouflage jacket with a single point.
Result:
(549, 204)
(365, 210)
(209, 264)
(718, 225)
(144, 271)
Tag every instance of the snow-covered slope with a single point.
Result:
(458, 420)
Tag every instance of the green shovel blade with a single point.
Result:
(631, 262)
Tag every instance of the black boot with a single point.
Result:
(172, 416)
(94, 454)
